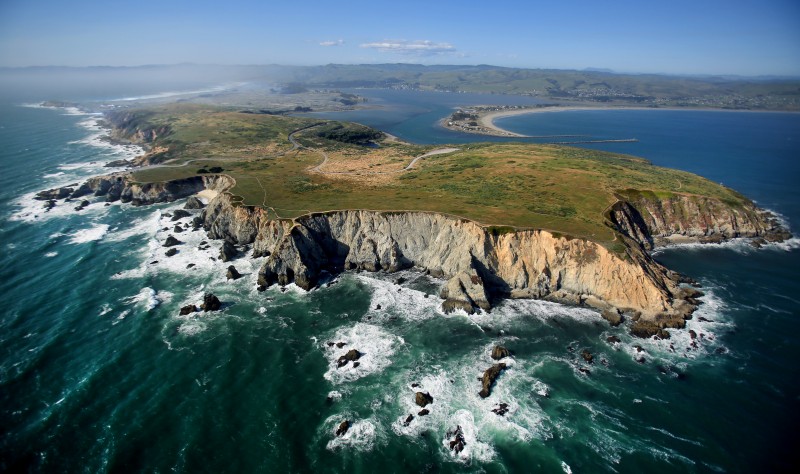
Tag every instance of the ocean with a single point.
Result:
(100, 373)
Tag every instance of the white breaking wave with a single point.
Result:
(89, 235)
(374, 343)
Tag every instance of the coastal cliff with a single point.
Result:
(655, 221)
(480, 264)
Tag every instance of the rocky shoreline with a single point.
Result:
(480, 267)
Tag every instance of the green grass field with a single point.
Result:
(557, 188)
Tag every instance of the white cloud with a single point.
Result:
(338, 42)
(419, 47)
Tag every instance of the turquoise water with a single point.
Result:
(99, 373)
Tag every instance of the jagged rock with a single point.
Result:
(261, 288)
(197, 223)
(180, 214)
(377, 307)
(408, 420)
(211, 303)
(82, 205)
(190, 265)
(692, 334)
(489, 376)
(188, 309)
(171, 241)
(343, 427)
(456, 440)
(645, 329)
(423, 399)
(587, 356)
(500, 352)
(177, 229)
(194, 203)
(423, 412)
(501, 409)
(57, 193)
(171, 252)
(352, 355)
(233, 274)
(227, 252)
(49, 204)
(83, 190)
(612, 315)
(118, 164)
(340, 344)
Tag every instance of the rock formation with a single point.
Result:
(487, 381)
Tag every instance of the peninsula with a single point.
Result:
(493, 220)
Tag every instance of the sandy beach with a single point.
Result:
(487, 120)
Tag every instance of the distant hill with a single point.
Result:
(587, 86)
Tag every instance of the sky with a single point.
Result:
(730, 37)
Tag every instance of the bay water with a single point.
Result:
(100, 373)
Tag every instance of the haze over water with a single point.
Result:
(98, 372)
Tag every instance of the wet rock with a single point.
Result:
(180, 214)
(646, 329)
(261, 288)
(704, 320)
(171, 252)
(414, 385)
(423, 399)
(211, 303)
(227, 252)
(500, 352)
(501, 409)
(408, 420)
(612, 340)
(197, 223)
(584, 370)
(49, 204)
(233, 274)
(352, 355)
(692, 334)
(190, 265)
(343, 427)
(587, 356)
(613, 316)
(456, 440)
(194, 203)
(83, 190)
(57, 193)
(356, 364)
(177, 229)
(188, 309)
(489, 377)
(340, 344)
(377, 308)
(423, 412)
(171, 241)
(400, 281)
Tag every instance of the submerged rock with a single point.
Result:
(343, 427)
(456, 440)
(211, 302)
(612, 340)
(587, 356)
(423, 399)
(501, 409)
(352, 355)
(500, 352)
(489, 376)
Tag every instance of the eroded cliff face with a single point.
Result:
(655, 222)
(480, 267)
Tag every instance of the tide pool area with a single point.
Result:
(100, 372)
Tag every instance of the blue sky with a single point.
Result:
(677, 36)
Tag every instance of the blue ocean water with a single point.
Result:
(99, 372)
